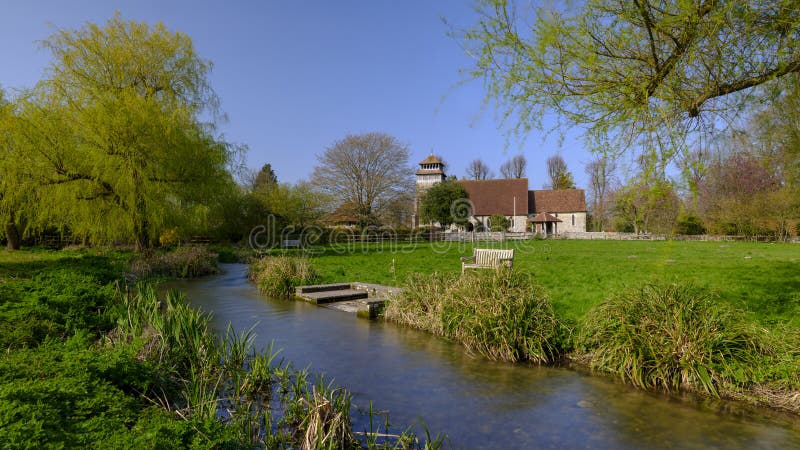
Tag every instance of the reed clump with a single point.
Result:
(252, 399)
(188, 261)
(674, 337)
(500, 314)
(279, 275)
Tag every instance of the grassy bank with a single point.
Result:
(89, 363)
(720, 319)
(759, 278)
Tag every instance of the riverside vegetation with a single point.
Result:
(717, 326)
(89, 362)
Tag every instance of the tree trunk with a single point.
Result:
(12, 235)
(140, 232)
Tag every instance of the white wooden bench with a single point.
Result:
(290, 243)
(487, 258)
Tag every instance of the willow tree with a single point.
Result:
(641, 72)
(114, 137)
(9, 195)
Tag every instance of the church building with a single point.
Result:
(543, 211)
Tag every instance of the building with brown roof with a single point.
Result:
(568, 205)
(564, 210)
(505, 197)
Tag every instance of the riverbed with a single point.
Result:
(479, 404)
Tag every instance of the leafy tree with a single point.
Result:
(298, 204)
(264, 179)
(499, 222)
(114, 141)
(514, 168)
(368, 170)
(560, 177)
(733, 194)
(689, 224)
(647, 206)
(9, 194)
(649, 69)
(478, 170)
(447, 203)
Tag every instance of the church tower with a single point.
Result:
(431, 171)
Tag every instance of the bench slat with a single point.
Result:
(486, 258)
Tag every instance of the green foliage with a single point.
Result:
(446, 203)
(499, 222)
(672, 337)
(689, 224)
(265, 179)
(279, 275)
(639, 72)
(109, 369)
(115, 131)
(500, 314)
(54, 304)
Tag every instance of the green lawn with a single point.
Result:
(763, 278)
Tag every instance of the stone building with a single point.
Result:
(543, 211)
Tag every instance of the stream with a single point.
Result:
(479, 404)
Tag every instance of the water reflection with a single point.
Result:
(479, 403)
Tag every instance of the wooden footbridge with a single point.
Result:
(364, 299)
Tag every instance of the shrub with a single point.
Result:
(499, 222)
(184, 262)
(672, 336)
(690, 225)
(279, 275)
(500, 314)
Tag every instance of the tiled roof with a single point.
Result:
(345, 213)
(560, 201)
(544, 218)
(498, 196)
(431, 160)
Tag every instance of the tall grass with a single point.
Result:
(279, 275)
(188, 261)
(222, 379)
(671, 337)
(500, 314)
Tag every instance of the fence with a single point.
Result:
(604, 235)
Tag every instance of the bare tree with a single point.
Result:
(478, 170)
(601, 173)
(514, 168)
(560, 177)
(369, 170)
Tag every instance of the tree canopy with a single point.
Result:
(644, 72)
(369, 171)
(447, 203)
(560, 177)
(112, 142)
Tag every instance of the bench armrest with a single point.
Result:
(467, 259)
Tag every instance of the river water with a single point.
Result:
(479, 403)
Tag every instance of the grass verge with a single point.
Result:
(88, 365)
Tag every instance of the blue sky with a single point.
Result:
(295, 76)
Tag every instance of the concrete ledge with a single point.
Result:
(322, 288)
